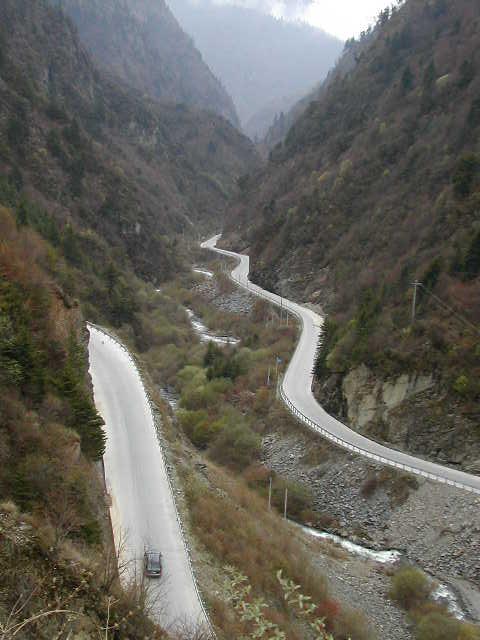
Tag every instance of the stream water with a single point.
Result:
(383, 557)
(205, 334)
(442, 592)
(171, 397)
(203, 272)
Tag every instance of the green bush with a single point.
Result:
(437, 626)
(410, 588)
(199, 427)
(299, 498)
(461, 385)
(236, 446)
(464, 175)
(194, 398)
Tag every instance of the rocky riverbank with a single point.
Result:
(224, 296)
(435, 526)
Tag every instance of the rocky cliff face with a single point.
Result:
(413, 412)
(141, 42)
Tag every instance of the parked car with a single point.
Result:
(152, 564)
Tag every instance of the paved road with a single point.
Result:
(297, 393)
(143, 510)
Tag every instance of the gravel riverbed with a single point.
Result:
(435, 526)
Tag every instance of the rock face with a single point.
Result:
(141, 42)
(413, 412)
(369, 398)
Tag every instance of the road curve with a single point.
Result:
(296, 391)
(142, 509)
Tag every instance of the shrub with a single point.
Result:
(468, 632)
(369, 486)
(299, 498)
(437, 626)
(461, 385)
(464, 175)
(236, 446)
(351, 625)
(201, 397)
(472, 258)
(196, 426)
(410, 588)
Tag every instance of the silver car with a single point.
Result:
(152, 564)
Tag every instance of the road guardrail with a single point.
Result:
(160, 437)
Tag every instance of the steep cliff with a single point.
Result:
(98, 156)
(141, 42)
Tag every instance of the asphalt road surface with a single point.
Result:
(296, 391)
(142, 510)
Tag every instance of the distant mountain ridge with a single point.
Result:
(262, 61)
(141, 42)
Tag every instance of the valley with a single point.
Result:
(337, 478)
(273, 433)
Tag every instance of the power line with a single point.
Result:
(448, 308)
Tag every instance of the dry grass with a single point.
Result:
(233, 523)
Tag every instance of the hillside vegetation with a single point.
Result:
(99, 156)
(96, 183)
(141, 42)
(59, 574)
(376, 185)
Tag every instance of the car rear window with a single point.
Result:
(153, 562)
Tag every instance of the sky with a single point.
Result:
(342, 18)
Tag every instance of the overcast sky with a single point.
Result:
(342, 18)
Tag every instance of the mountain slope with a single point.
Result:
(96, 154)
(141, 42)
(263, 62)
(281, 124)
(377, 185)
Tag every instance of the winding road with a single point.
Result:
(143, 511)
(296, 391)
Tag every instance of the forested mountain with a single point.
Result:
(98, 155)
(264, 63)
(376, 185)
(283, 121)
(95, 184)
(141, 42)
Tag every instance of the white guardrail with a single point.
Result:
(160, 437)
(367, 454)
(317, 428)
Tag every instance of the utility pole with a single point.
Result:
(285, 504)
(270, 495)
(415, 285)
(268, 376)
